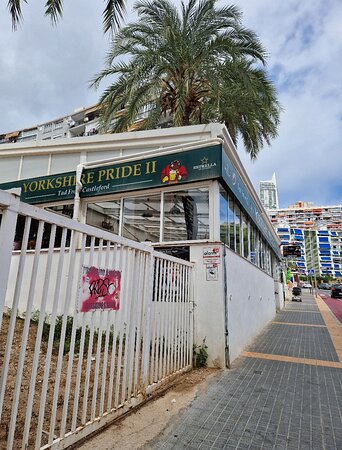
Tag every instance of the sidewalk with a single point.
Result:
(284, 392)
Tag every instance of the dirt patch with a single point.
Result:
(140, 427)
(83, 382)
(47, 413)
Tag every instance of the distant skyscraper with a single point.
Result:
(269, 193)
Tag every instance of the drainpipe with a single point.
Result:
(78, 188)
(225, 299)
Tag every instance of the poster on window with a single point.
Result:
(99, 289)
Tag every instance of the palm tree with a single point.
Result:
(192, 67)
(247, 105)
(112, 14)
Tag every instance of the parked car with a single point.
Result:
(307, 286)
(336, 290)
(325, 286)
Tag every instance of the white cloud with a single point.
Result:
(45, 71)
(305, 45)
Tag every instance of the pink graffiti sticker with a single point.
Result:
(99, 289)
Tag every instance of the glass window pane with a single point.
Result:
(9, 169)
(34, 166)
(64, 163)
(262, 254)
(186, 215)
(141, 218)
(245, 235)
(237, 213)
(252, 256)
(231, 219)
(105, 215)
(224, 224)
(257, 248)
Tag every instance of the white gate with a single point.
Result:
(71, 364)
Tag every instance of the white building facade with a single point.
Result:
(183, 191)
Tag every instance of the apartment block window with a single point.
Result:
(47, 128)
(58, 125)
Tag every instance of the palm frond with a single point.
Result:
(193, 65)
(14, 7)
(54, 9)
(113, 14)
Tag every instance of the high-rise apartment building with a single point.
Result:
(82, 122)
(318, 231)
(269, 193)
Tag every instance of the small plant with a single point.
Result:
(200, 355)
(35, 316)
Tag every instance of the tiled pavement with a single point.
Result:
(285, 392)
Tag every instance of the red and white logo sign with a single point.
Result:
(211, 255)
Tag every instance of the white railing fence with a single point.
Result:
(70, 364)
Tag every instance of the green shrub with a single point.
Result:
(200, 355)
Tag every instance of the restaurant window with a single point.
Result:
(224, 223)
(237, 217)
(186, 215)
(141, 218)
(257, 248)
(252, 255)
(262, 255)
(269, 260)
(231, 219)
(105, 215)
(245, 237)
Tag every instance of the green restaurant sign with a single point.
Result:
(205, 163)
(147, 173)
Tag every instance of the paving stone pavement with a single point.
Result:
(285, 392)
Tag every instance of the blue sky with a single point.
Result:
(304, 41)
(45, 71)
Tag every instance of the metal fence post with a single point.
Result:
(149, 277)
(7, 234)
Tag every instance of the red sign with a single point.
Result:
(211, 255)
(99, 289)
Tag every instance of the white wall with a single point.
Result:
(250, 300)
(250, 297)
(209, 307)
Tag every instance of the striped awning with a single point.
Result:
(14, 134)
